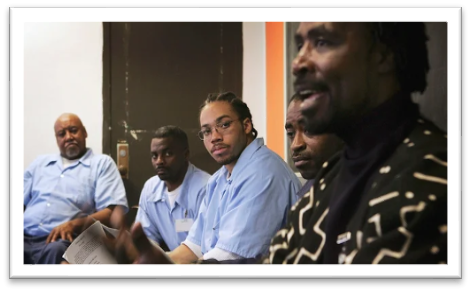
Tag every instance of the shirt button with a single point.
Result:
(40, 224)
(48, 204)
(61, 176)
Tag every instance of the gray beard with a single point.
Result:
(72, 152)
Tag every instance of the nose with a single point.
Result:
(298, 144)
(215, 136)
(159, 161)
(68, 135)
(302, 62)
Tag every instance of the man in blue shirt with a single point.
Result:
(64, 194)
(170, 201)
(246, 201)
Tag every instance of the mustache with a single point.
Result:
(299, 157)
(302, 83)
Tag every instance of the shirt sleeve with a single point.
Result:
(220, 255)
(257, 210)
(28, 184)
(109, 186)
(196, 231)
(143, 217)
(196, 249)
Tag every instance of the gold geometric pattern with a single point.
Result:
(316, 229)
(410, 208)
(303, 210)
(430, 178)
(435, 159)
(397, 255)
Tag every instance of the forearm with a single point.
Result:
(182, 255)
(103, 216)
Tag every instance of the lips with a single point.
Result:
(219, 149)
(161, 171)
(71, 144)
(301, 161)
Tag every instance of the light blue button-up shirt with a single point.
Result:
(241, 213)
(156, 216)
(54, 195)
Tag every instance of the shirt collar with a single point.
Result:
(85, 159)
(182, 198)
(245, 157)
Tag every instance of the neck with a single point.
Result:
(230, 166)
(172, 185)
(365, 132)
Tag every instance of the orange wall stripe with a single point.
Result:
(275, 87)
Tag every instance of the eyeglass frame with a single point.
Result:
(217, 128)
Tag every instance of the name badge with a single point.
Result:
(184, 224)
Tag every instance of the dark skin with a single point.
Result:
(170, 161)
(309, 152)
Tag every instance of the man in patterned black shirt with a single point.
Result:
(384, 199)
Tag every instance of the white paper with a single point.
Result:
(88, 247)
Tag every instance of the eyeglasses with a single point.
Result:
(220, 127)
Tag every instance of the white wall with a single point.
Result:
(254, 73)
(62, 73)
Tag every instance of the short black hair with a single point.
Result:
(174, 132)
(237, 104)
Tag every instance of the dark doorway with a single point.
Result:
(158, 74)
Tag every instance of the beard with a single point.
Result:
(228, 160)
(72, 152)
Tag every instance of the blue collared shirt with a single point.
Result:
(241, 213)
(156, 216)
(54, 195)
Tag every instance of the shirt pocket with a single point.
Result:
(81, 193)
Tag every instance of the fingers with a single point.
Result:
(69, 237)
(49, 237)
(54, 236)
(140, 240)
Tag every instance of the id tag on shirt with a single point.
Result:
(183, 224)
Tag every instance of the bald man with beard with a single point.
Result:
(65, 193)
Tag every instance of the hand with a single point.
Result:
(63, 231)
(147, 252)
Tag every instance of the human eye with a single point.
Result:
(321, 42)
(290, 134)
(225, 124)
(168, 154)
(206, 131)
(60, 133)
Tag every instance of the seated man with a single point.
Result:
(64, 194)
(246, 201)
(309, 152)
(170, 201)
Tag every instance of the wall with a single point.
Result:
(62, 73)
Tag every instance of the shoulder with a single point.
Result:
(199, 174)
(213, 179)
(419, 161)
(152, 182)
(267, 163)
(42, 161)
